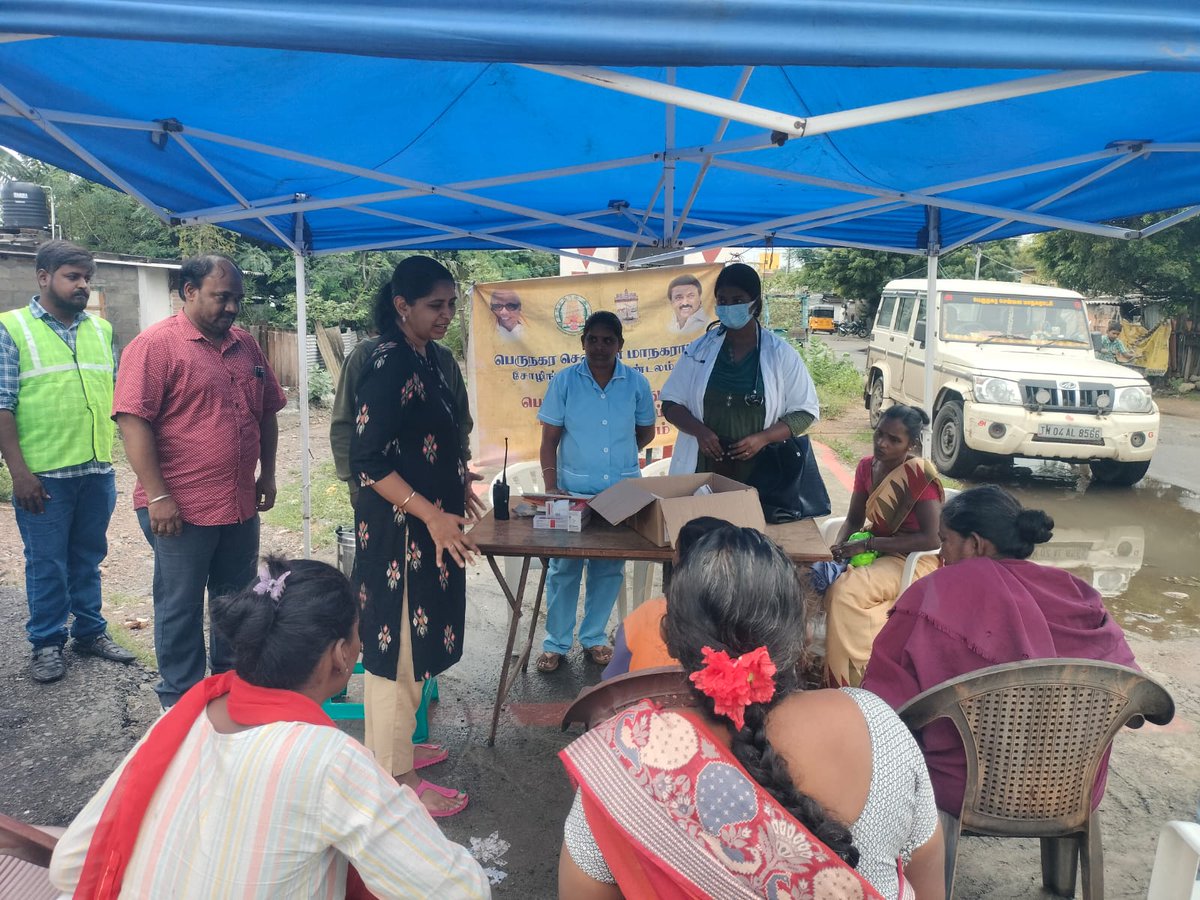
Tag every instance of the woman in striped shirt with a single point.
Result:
(246, 789)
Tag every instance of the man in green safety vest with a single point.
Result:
(57, 369)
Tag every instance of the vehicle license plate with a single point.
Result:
(1065, 552)
(1069, 432)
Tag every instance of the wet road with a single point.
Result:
(1175, 459)
(1136, 546)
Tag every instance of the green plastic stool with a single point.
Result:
(341, 710)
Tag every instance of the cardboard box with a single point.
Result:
(657, 508)
(563, 515)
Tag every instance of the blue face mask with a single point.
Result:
(734, 316)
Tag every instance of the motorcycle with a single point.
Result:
(853, 329)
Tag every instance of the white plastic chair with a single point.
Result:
(657, 469)
(523, 478)
(526, 478)
(831, 526)
(1176, 862)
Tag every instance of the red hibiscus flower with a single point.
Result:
(733, 684)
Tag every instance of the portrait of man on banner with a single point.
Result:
(506, 307)
(686, 298)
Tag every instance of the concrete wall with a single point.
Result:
(154, 293)
(129, 296)
(115, 297)
(17, 281)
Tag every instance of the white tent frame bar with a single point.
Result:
(233, 192)
(801, 126)
(419, 187)
(788, 228)
(44, 118)
(1182, 216)
(448, 231)
(38, 118)
(1051, 198)
(738, 89)
(933, 316)
(668, 175)
(302, 389)
(489, 233)
(917, 198)
(817, 218)
(857, 209)
(622, 209)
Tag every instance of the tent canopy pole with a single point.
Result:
(302, 378)
(932, 317)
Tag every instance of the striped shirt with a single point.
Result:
(277, 811)
(10, 380)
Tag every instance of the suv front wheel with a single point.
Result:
(875, 401)
(951, 454)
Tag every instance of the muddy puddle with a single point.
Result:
(1139, 547)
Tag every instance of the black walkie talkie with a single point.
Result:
(500, 490)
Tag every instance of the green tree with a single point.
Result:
(854, 274)
(862, 274)
(1163, 266)
(92, 215)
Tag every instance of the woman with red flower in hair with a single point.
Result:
(763, 789)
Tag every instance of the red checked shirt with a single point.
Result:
(205, 405)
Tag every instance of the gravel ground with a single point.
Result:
(58, 742)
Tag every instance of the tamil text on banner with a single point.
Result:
(523, 332)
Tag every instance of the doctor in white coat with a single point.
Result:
(737, 388)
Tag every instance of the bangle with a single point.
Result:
(549, 468)
(871, 542)
(156, 499)
(407, 499)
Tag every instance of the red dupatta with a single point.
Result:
(676, 816)
(116, 833)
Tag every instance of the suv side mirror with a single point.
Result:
(919, 333)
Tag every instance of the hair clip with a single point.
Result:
(733, 684)
(268, 585)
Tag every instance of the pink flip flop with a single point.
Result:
(433, 760)
(448, 793)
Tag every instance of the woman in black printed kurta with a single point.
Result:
(411, 549)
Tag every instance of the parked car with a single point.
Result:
(1015, 377)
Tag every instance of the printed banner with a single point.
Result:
(522, 332)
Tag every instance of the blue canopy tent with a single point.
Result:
(914, 126)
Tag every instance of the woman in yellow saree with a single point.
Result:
(898, 498)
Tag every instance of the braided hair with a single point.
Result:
(736, 590)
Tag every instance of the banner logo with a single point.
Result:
(570, 312)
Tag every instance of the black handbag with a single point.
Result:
(788, 481)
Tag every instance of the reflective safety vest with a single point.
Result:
(65, 399)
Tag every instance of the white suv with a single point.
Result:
(1016, 376)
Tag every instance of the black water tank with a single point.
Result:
(24, 205)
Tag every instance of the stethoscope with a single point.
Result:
(755, 397)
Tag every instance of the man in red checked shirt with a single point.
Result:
(196, 403)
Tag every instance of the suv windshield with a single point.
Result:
(1003, 319)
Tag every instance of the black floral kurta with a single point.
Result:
(406, 424)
